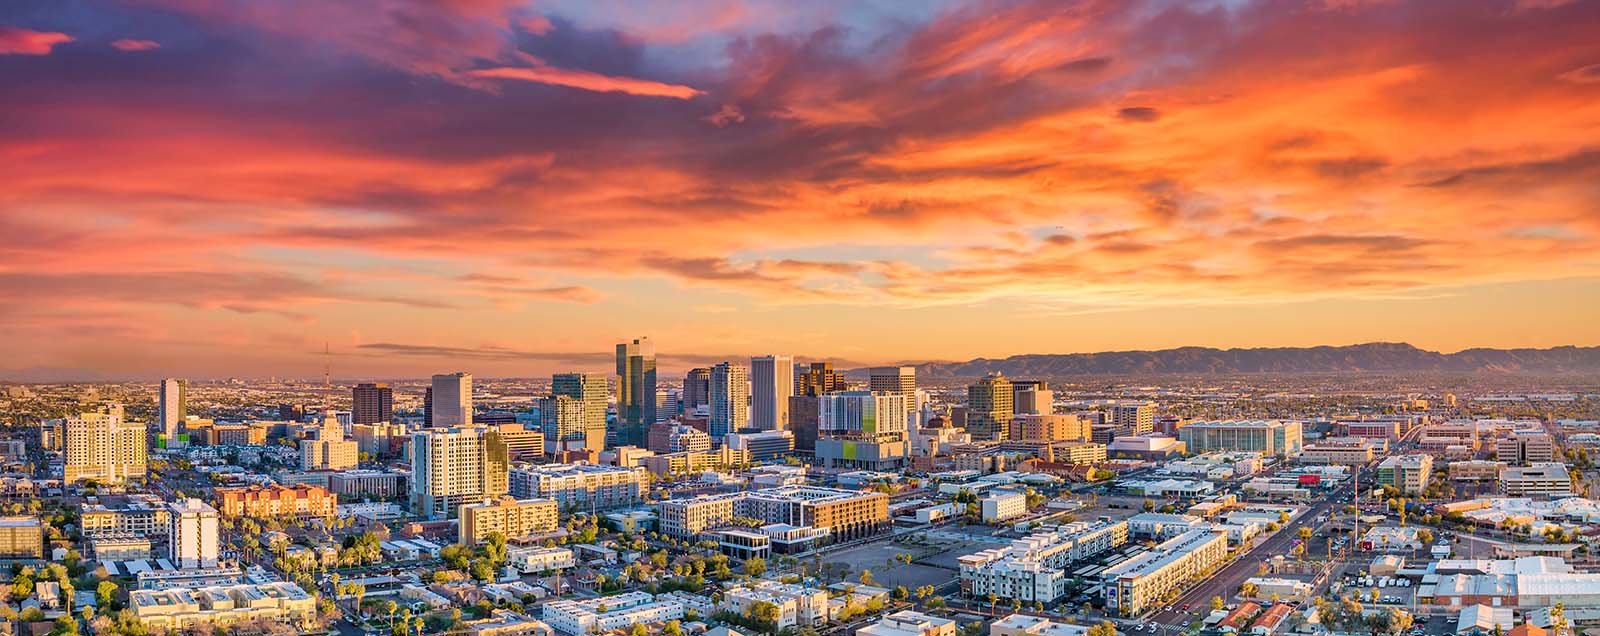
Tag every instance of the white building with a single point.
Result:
(910, 623)
(1034, 568)
(771, 385)
(1003, 505)
(451, 400)
(581, 617)
(193, 534)
(730, 399)
(1542, 479)
(796, 605)
(1140, 582)
(536, 559)
(1025, 625)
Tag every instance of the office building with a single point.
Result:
(585, 486)
(1003, 505)
(1268, 437)
(300, 501)
(804, 412)
(330, 450)
(636, 389)
(667, 404)
(511, 517)
(21, 538)
(371, 403)
(677, 438)
(1049, 428)
(374, 483)
(1543, 479)
(1036, 567)
(588, 390)
(251, 434)
(102, 447)
(818, 379)
(1344, 451)
(989, 404)
(173, 405)
(1524, 448)
(1031, 397)
(181, 609)
(379, 439)
(771, 385)
(900, 380)
(192, 535)
(1407, 473)
(1138, 417)
(1141, 582)
(450, 400)
(840, 514)
(565, 425)
(455, 466)
(730, 399)
(696, 389)
(694, 462)
(616, 612)
(761, 445)
(862, 429)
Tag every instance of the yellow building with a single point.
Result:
(104, 448)
(21, 538)
(509, 516)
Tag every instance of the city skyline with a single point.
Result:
(218, 189)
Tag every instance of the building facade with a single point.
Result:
(104, 448)
(510, 517)
(450, 400)
(771, 385)
(636, 389)
(989, 404)
(300, 501)
(454, 466)
(730, 399)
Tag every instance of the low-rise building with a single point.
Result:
(1475, 470)
(145, 515)
(1348, 451)
(587, 616)
(1025, 625)
(300, 501)
(240, 606)
(1002, 505)
(510, 517)
(536, 559)
(1544, 479)
(21, 538)
(1034, 568)
(1138, 583)
(796, 605)
(583, 485)
(910, 623)
(1406, 473)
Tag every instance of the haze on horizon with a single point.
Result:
(219, 188)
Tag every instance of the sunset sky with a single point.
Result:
(215, 187)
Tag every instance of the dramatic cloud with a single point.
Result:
(880, 182)
(20, 41)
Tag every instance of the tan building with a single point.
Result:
(1406, 473)
(989, 407)
(143, 515)
(104, 448)
(330, 450)
(690, 462)
(1545, 479)
(454, 466)
(21, 538)
(236, 435)
(1477, 470)
(841, 514)
(175, 609)
(1349, 451)
(1049, 428)
(301, 501)
(509, 516)
(1081, 454)
(1523, 448)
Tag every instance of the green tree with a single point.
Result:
(1104, 628)
(672, 628)
(1216, 603)
(104, 593)
(866, 577)
(755, 566)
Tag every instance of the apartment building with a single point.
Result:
(583, 485)
(1134, 416)
(1406, 473)
(536, 559)
(509, 516)
(1049, 428)
(21, 538)
(599, 615)
(377, 483)
(1079, 454)
(1034, 568)
(143, 515)
(692, 462)
(454, 466)
(1140, 582)
(193, 540)
(1268, 437)
(1543, 479)
(910, 623)
(176, 609)
(1003, 505)
(841, 514)
(301, 501)
(796, 605)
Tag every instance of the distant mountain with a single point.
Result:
(1370, 357)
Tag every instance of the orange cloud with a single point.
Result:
(20, 41)
(135, 45)
(588, 81)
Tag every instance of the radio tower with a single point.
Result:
(327, 366)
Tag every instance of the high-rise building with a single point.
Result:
(803, 417)
(730, 399)
(454, 466)
(696, 388)
(174, 407)
(865, 429)
(589, 390)
(450, 401)
(818, 379)
(1031, 397)
(563, 421)
(1136, 416)
(902, 380)
(989, 404)
(371, 403)
(192, 538)
(330, 450)
(666, 405)
(102, 447)
(771, 384)
(636, 389)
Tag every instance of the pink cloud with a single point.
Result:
(589, 81)
(20, 41)
(126, 44)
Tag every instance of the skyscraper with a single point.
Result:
(989, 404)
(102, 447)
(456, 466)
(174, 406)
(771, 384)
(1031, 397)
(900, 380)
(371, 403)
(865, 429)
(818, 379)
(562, 420)
(636, 389)
(192, 539)
(730, 399)
(450, 402)
(696, 389)
(589, 390)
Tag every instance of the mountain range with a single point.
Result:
(1381, 357)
